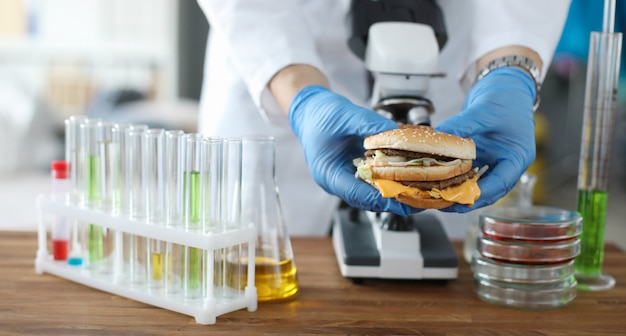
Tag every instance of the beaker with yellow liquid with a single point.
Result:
(276, 276)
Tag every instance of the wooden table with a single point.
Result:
(32, 304)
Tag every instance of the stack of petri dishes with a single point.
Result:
(524, 256)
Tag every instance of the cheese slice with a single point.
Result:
(464, 193)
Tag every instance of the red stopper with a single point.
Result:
(60, 169)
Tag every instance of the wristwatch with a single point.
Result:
(519, 61)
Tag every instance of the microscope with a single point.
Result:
(399, 41)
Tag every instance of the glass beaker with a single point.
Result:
(275, 270)
(520, 196)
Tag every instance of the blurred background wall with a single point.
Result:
(134, 61)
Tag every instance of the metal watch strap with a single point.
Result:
(519, 61)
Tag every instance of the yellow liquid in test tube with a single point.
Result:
(158, 263)
(274, 280)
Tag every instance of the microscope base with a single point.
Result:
(363, 252)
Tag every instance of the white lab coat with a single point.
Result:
(250, 40)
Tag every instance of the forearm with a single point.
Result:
(293, 78)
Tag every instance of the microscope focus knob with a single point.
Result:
(393, 222)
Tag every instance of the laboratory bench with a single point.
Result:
(327, 304)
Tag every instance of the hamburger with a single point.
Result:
(420, 167)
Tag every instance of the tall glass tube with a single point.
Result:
(212, 178)
(174, 154)
(134, 259)
(174, 150)
(108, 157)
(229, 271)
(212, 165)
(595, 153)
(116, 182)
(116, 170)
(154, 188)
(73, 155)
(153, 156)
(91, 136)
(193, 277)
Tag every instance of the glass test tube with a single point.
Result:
(212, 174)
(594, 168)
(90, 136)
(116, 178)
(108, 158)
(60, 228)
(231, 273)
(174, 150)
(134, 260)
(153, 168)
(73, 155)
(193, 279)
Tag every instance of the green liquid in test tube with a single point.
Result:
(592, 207)
(95, 242)
(194, 255)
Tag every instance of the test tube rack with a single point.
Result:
(204, 311)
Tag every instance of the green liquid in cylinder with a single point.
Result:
(193, 255)
(95, 243)
(592, 207)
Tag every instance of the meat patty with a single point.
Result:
(407, 154)
(427, 185)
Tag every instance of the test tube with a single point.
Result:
(230, 272)
(61, 226)
(90, 136)
(114, 170)
(212, 165)
(73, 155)
(134, 260)
(174, 154)
(595, 155)
(116, 180)
(108, 158)
(212, 173)
(193, 279)
(174, 147)
(152, 162)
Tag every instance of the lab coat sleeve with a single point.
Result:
(261, 38)
(536, 24)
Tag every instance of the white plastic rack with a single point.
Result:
(204, 311)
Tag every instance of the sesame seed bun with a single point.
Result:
(423, 139)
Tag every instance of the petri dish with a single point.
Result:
(488, 269)
(528, 252)
(531, 297)
(531, 223)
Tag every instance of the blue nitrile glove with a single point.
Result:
(331, 130)
(498, 115)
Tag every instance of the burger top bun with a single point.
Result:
(423, 139)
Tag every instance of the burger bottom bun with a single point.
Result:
(420, 173)
(421, 202)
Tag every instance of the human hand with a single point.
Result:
(331, 130)
(498, 115)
